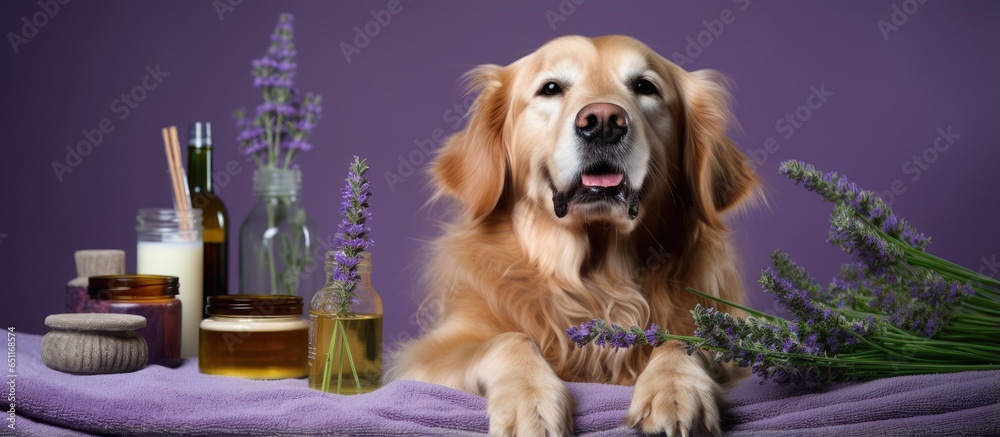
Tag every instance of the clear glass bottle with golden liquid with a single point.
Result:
(345, 351)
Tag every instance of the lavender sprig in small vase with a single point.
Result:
(277, 237)
(345, 317)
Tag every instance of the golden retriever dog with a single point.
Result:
(592, 180)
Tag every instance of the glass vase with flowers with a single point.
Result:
(277, 236)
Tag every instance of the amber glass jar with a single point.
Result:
(150, 296)
(254, 336)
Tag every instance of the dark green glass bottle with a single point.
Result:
(214, 214)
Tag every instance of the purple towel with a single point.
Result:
(966, 403)
(158, 400)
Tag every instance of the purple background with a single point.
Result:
(890, 97)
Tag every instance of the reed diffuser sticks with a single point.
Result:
(182, 200)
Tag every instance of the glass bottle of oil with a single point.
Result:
(345, 351)
(215, 218)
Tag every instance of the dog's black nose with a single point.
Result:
(603, 123)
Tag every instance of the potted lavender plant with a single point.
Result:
(277, 236)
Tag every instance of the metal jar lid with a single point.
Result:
(254, 305)
(117, 287)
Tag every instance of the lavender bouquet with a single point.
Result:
(276, 238)
(281, 125)
(895, 310)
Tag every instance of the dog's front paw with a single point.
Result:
(676, 396)
(531, 406)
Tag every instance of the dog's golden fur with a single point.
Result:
(509, 276)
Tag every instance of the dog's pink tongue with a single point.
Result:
(602, 180)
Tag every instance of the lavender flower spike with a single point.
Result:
(353, 236)
(861, 242)
(795, 274)
(865, 204)
(606, 334)
(281, 125)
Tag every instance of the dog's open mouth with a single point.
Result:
(602, 183)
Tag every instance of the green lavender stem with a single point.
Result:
(269, 246)
(338, 344)
(947, 268)
(354, 371)
(328, 368)
(749, 310)
(936, 355)
(340, 357)
(277, 137)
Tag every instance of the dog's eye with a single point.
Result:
(643, 86)
(550, 89)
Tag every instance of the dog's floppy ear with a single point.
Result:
(717, 172)
(472, 165)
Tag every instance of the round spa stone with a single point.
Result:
(94, 343)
